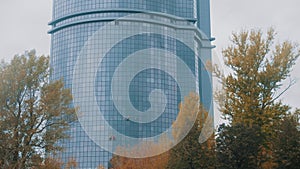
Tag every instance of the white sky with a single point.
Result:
(23, 26)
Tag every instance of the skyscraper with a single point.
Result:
(129, 64)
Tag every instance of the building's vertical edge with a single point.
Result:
(205, 82)
(51, 39)
(53, 9)
(203, 16)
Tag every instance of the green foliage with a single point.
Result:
(238, 147)
(31, 110)
(287, 143)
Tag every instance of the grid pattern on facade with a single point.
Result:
(68, 42)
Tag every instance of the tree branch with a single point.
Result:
(292, 82)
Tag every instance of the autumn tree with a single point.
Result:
(71, 164)
(136, 157)
(55, 163)
(155, 162)
(189, 153)
(100, 167)
(49, 163)
(252, 88)
(33, 111)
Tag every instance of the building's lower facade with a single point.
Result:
(129, 65)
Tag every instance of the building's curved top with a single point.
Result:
(180, 8)
(72, 12)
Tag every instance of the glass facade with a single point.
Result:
(125, 60)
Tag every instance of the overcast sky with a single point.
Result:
(23, 26)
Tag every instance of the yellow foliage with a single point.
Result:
(156, 162)
(251, 90)
(100, 167)
(71, 164)
(186, 117)
(50, 163)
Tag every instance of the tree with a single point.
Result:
(257, 73)
(34, 113)
(252, 88)
(141, 150)
(189, 153)
(71, 164)
(155, 162)
(238, 146)
(50, 163)
(100, 167)
(287, 142)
